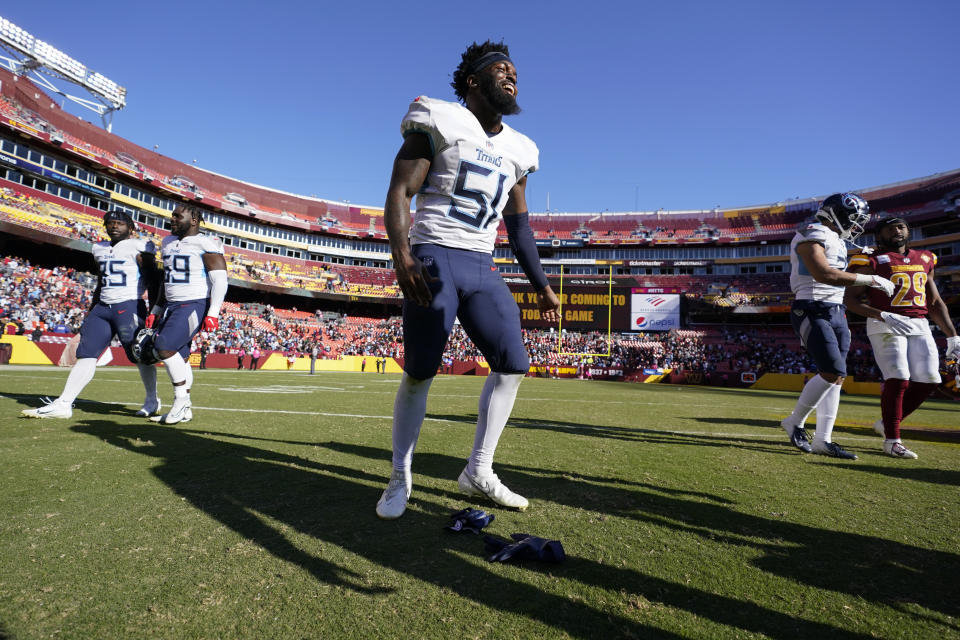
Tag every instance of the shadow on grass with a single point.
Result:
(863, 566)
(632, 434)
(242, 485)
(34, 400)
(903, 472)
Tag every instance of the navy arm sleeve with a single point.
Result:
(525, 249)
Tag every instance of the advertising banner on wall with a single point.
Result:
(654, 311)
(585, 306)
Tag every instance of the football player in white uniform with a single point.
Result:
(467, 168)
(194, 286)
(818, 257)
(127, 269)
(898, 329)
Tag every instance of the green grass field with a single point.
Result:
(684, 513)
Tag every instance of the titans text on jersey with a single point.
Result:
(460, 203)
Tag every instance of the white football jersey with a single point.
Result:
(462, 199)
(119, 273)
(184, 275)
(835, 250)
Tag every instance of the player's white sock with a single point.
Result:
(189, 370)
(178, 371)
(148, 374)
(409, 409)
(80, 375)
(827, 414)
(809, 399)
(496, 403)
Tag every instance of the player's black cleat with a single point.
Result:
(833, 450)
(798, 437)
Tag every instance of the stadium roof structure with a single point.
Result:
(45, 61)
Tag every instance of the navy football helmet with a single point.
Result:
(848, 212)
(142, 350)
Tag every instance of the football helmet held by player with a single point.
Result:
(142, 350)
(848, 212)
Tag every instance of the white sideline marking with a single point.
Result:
(360, 389)
(277, 389)
(613, 428)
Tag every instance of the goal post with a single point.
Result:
(609, 337)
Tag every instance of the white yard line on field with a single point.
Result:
(361, 389)
(586, 428)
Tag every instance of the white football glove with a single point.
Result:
(879, 282)
(952, 352)
(900, 325)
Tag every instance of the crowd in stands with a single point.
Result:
(56, 300)
(45, 216)
(60, 220)
(33, 298)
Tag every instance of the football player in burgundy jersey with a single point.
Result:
(468, 170)
(898, 328)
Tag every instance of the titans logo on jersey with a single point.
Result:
(184, 274)
(119, 272)
(909, 273)
(835, 251)
(472, 173)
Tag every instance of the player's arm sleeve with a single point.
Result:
(95, 298)
(524, 247)
(216, 266)
(218, 290)
(151, 274)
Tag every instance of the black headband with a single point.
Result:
(887, 222)
(116, 214)
(486, 60)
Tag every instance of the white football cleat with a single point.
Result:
(897, 450)
(393, 502)
(878, 428)
(491, 487)
(52, 409)
(149, 409)
(179, 412)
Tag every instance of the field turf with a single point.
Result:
(683, 510)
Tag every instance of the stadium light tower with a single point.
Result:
(43, 60)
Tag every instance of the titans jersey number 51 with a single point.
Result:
(472, 173)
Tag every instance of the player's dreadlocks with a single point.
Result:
(473, 53)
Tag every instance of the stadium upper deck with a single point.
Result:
(91, 171)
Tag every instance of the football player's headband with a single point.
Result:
(486, 60)
(886, 222)
(122, 216)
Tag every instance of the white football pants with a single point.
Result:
(912, 357)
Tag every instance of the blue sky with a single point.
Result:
(634, 105)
